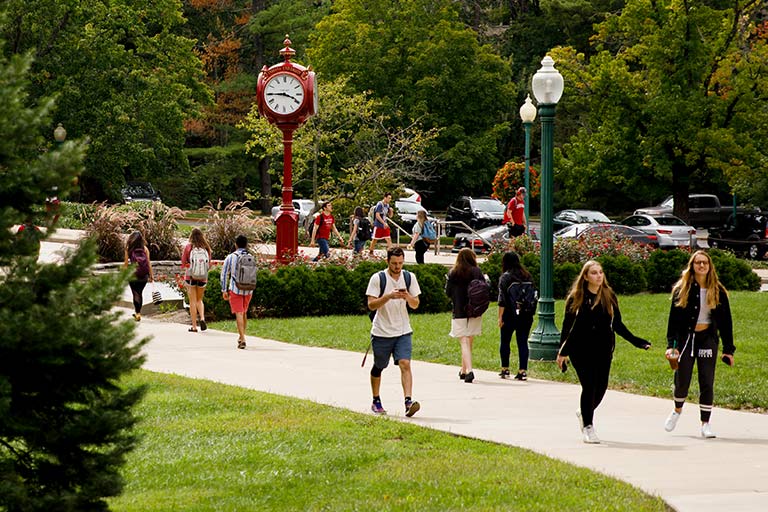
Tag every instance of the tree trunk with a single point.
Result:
(680, 187)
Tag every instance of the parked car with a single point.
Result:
(672, 231)
(410, 195)
(139, 191)
(747, 235)
(484, 239)
(476, 212)
(407, 210)
(568, 217)
(637, 236)
(302, 206)
(704, 210)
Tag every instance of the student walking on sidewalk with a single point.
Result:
(592, 317)
(700, 310)
(195, 260)
(515, 312)
(464, 327)
(137, 253)
(238, 280)
(391, 332)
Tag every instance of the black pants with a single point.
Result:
(521, 326)
(593, 369)
(702, 350)
(515, 230)
(137, 288)
(421, 247)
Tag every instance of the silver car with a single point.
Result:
(672, 231)
(302, 206)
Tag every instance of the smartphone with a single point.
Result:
(726, 360)
(401, 289)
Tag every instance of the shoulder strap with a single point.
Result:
(407, 277)
(382, 282)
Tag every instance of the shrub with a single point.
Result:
(492, 267)
(158, 227)
(431, 278)
(563, 277)
(226, 224)
(624, 275)
(735, 274)
(106, 230)
(76, 215)
(663, 269)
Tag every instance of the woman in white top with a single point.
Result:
(418, 243)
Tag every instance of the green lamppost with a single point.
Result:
(547, 85)
(528, 115)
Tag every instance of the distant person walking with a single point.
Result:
(381, 231)
(514, 216)
(700, 311)
(391, 332)
(517, 307)
(324, 224)
(196, 260)
(359, 231)
(238, 280)
(464, 325)
(422, 235)
(592, 317)
(137, 253)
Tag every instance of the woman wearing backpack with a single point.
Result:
(195, 259)
(137, 253)
(419, 241)
(359, 229)
(592, 320)
(464, 271)
(511, 319)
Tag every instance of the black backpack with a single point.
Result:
(364, 230)
(523, 296)
(479, 297)
(383, 284)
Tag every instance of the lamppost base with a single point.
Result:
(544, 343)
(287, 242)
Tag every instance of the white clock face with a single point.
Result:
(283, 94)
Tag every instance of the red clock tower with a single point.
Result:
(286, 94)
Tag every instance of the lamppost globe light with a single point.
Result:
(528, 110)
(60, 134)
(547, 83)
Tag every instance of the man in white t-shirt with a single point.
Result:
(391, 333)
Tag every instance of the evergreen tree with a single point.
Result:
(65, 419)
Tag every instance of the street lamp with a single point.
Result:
(59, 134)
(547, 87)
(528, 115)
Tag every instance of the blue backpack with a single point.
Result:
(428, 232)
(383, 285)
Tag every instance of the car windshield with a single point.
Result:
(569, 231)
(139, 190)
(594, 217)
(670, 221)
(668, 202)
(488, 205)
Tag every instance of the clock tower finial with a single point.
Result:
(287, 52)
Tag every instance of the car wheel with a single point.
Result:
(714, 244)
(753, 252)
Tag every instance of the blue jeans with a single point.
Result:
(322, 245)
(359, 245)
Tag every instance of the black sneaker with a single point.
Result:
(411, 407)
(462, 376)
(469, 377)
(521, 375)
(504, 373)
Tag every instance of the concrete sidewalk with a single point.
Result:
(729, 473)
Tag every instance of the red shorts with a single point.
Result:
(379, 233)
(239, 303)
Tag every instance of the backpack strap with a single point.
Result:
(383, 281)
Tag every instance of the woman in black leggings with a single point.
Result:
(137, 253)
(592, 317)
(512, 319)
(700, 310)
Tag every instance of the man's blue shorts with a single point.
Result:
(399, 348)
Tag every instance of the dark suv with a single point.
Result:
(139, 191)
(747, 235)
(476, 212)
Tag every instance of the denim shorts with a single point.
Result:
(399, 348)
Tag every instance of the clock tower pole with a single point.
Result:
(286, 96)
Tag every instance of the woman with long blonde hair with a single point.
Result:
(700, 311)
(592, 317)
(195, 250)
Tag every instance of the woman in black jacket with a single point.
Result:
(700, 310)
(592, 317)
(511, 319)
(456, 287)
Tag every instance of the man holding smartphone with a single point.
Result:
(391, 333)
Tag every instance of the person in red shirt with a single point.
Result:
(324, 223)
(514, 216)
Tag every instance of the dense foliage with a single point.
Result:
(65, 419)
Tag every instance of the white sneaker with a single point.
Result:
(589, 435)
(706, 431)
(671, 422)
(581, 420)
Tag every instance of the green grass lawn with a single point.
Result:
(634, 370)
(211, 447)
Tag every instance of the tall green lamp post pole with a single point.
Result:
(547, 87)
(528, 115)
